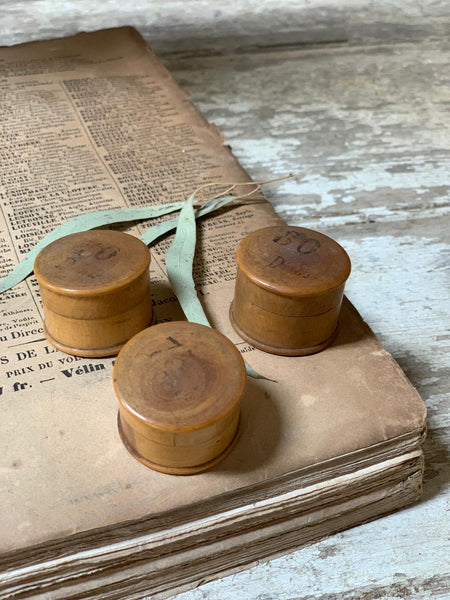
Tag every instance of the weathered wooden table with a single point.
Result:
(367, 132)
(354, 99)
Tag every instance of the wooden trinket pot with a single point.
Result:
(289, 288)
(95, 290)
(179, 387)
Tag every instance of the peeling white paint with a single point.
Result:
(328, 112)
(368, 134)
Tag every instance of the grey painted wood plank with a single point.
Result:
(366, 129)
(174, 25)
(368, 133)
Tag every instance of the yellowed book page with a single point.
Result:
(95, 122)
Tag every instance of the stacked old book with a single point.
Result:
(327, 441)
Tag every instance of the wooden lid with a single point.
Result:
(293, 261)
(92, 262)
(179, 376)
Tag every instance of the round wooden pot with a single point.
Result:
(289, 288)
(179, 387)
(95, 290)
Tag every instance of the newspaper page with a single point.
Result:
(95, 122)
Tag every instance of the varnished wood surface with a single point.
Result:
(95, 290)
(293, 262)
(179, 387)
(364, 122)
(288, 291)
(92, 263)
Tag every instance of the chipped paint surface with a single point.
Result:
(366, 129)
(368, 134)
(176, 25)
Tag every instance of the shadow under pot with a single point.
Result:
(95, 290)
(289, 289)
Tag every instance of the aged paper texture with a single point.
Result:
(95, 122)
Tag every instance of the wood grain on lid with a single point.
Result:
(293, 261)
(91, 262)
(179, 376)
